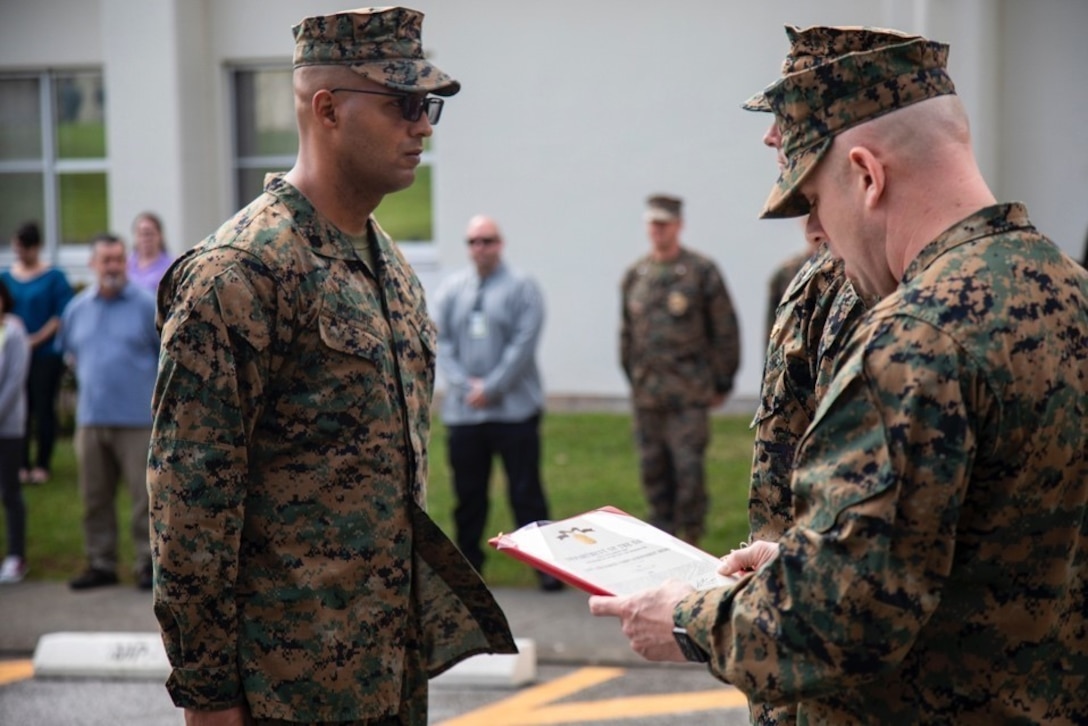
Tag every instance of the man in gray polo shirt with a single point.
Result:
(489, 318)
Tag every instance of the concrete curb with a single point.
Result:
(558, 623)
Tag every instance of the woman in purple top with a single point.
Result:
(149, 259)
(40, 293)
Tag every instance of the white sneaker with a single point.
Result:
(13, 569)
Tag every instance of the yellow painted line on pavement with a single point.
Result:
(534, 707)
(15, 670)
(515, 708)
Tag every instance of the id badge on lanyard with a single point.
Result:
(477, 324)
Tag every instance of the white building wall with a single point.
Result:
(1043, 110)
(49, 34)
(572, 112)
(141, 72)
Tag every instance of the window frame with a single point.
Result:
(52, 167)
(240, 163)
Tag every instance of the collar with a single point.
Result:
(986, 222)
(495, 273)
(125, 292)
(325, 238)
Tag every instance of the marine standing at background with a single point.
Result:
(297, 575)
(489, 319)
(937, 568)
(680, 348)
(150, 259)
(40, 292)
(109, 338)
(14, 366)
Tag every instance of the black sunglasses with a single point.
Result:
(412, 105)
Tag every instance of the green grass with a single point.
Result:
(54, 539)
(406, 215)
(589, 460)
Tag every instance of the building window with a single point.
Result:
(266, 140)
(54, 167)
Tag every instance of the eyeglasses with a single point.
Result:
(485, 241)
(412, 105)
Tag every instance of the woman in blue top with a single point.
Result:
(40, 293)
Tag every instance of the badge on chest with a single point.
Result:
(677, 303)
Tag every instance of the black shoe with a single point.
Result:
(93, 577)
(550, 584)
(144, 578)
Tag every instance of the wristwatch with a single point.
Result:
(689, 647)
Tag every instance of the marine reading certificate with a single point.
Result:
(608, 552)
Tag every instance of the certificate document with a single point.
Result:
(608, 552)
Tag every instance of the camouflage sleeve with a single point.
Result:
(880, 477)
(213, 361)
(625, 326)
(723, 332)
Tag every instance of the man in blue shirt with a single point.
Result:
(108, 336)
(489, 318)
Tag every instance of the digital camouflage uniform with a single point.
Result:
(814, 320)
(295, 567)
(679, 346)
(817, 314)
(809, 327)
(936, 570)
(780, 282)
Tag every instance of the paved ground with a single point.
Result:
(560, 622)
(587, 674)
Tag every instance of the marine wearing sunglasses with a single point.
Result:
(412, 105)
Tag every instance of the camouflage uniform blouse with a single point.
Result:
(295, 566)
(679, 340)
(780, 282)
(813, 322)
(937, 570)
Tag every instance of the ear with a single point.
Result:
(868, 173)
(323, 107)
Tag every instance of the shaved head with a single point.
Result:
(485, 243)
(921, 132)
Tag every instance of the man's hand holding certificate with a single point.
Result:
(608, 552)
(636, 572)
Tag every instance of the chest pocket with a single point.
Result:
(352, 337)
(428, 337)
(356, 355)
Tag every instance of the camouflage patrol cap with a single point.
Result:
(663, 208)
(812, 106)
(820, 43)
(382, 44)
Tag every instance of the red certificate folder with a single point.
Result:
(608, 552)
